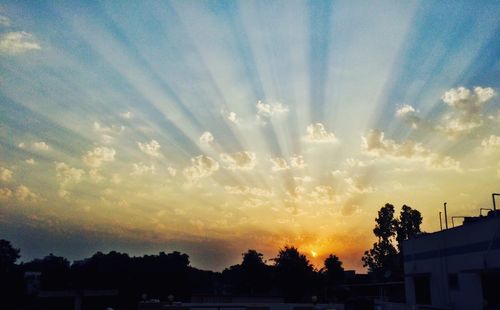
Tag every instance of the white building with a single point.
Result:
(457, 268)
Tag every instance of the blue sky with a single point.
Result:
(212, 126)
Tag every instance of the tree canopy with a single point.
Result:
(384, 258)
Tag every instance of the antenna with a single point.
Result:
(493, 198)
(445, 217)
(440, 221)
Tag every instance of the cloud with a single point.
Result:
(67, 174)
(232, 117)
(172, 171)
(152, 148)
(320, 194)
(5, 194)
(141, 169)
(316, 133)
(464, 112)
(18, 42)
(5, 174)
(41, 146)
(127, 115)
(98, 156)
(491, 143)
(246, 190)
(304, 179)
(297, 161)
(4, 21)
(239, 160)
(202, 166)
(23, 193)
(266, 111)
(279, 164)
(409, 114)
(357, 185)
(107, 132)
(206, 138)
(30, 161)
(375, 144)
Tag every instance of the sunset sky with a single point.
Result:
(212, 127)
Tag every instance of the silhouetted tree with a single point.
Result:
(333, 270)
(294, 273)
(8, 255)
(408, 225)
(11, 279)
(55, 271)
(381, 258)
(384, 258)
(251, 277)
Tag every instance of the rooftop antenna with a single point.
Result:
(493, 198)
(440, 221)
(445, 217)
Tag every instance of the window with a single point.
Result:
(422, 284)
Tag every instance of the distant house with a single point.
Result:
(456, 268)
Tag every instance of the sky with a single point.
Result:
(213, 127)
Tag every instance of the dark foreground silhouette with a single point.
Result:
(120, 281)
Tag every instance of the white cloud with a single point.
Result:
(231, 116)
(304, 179)
(5, 194)
(18, 42)
(127, 115)
(266, 111)
(466, 109)
(409, 115)
(297, 161)
(4, 21)
(239, 160)
(67, 174)
(375, 144)
(141, 169)
(98, 156)
(206, 138)
(41, 146)
(23, 193)
(318, 134)
(30, 161)
(202, 166)
(320, 194)
(491, 143)
(5, 174)
(152, 148)
(107, 133)
(246, 190)
(279, 164)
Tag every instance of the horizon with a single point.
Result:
(215, 127)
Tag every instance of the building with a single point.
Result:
(456, 268)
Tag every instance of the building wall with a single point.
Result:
(466, 251)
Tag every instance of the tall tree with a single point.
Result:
(408, 225)
(8, 255)
(294, 273)
(252, 276)
(333, 270)
(381, 258)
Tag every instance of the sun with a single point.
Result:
(314, 254)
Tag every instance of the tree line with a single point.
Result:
(290, 274)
